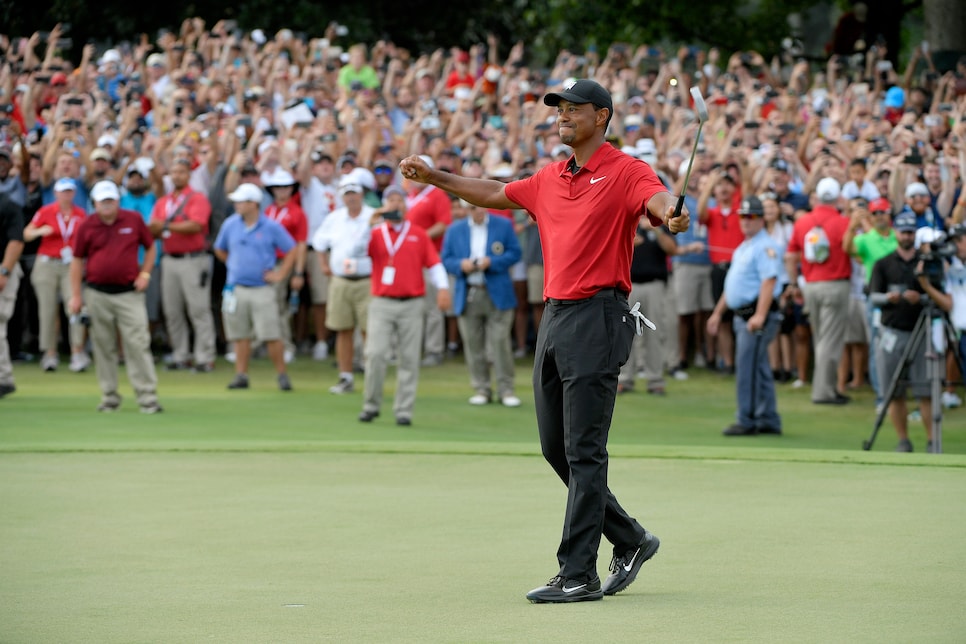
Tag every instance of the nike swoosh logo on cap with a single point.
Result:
(596, 179)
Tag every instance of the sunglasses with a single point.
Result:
(382, 170)
(880, 212)
(749, 216)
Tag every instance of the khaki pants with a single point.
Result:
(124, 314)
(284, 314)
(647, 352)
(8, 301)
(434, 341)
(51, 280)
(484, 326)
(389, 319)
(827, 304)
(186, 295)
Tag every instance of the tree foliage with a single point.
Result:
(546, 26)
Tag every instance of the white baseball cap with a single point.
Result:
(65, 184)
(916, 189)
(247, 192)
(828, 189)
(278, 177)
(104, 190)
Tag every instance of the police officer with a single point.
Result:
(751, 290)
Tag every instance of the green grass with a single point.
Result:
(260, 516)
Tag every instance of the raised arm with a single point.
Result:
(487, 193)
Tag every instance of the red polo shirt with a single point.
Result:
(838, 266)
(587, 220)
(412, 255)
(724, 230)
(293, 219)
(429, 206)
(111, 250)
(65, 228)
(195, 208)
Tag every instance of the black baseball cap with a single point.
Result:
(751, 206)
(582, 91)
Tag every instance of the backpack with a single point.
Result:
(817, 247)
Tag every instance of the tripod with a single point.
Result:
(935, 343)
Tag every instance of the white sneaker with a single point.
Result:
(798, 384)
(344, 386)
(49, 363)
(479, 399)
(79, 362)
(951, 400)
(320, 351)
(680, 374)
(289, 356)
(510, 401)
(230, 357)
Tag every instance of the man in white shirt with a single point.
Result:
(320, 196)
(342, 244)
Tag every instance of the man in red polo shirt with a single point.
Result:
(430, 209)
(587, 209)
(400, 253)
(816, 244)
(724, 236)
(180, 220)
(107, 246)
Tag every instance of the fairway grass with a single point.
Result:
(259, 516)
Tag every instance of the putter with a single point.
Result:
(702, 110)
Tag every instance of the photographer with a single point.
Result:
(952, 299)
(896, 290)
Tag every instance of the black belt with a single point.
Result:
(722, 265)
(354, 278)
(745, 312)
(399, 298)
(199, 253)
(616, 292)
(112, 289)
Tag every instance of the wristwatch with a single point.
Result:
(4, 271)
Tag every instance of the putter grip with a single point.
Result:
(678, 207)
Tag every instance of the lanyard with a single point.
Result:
(393, 248)
(412, 201)
(66, 230)
(275, 213)
(174, 207)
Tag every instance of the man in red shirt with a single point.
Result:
(56, 225)
(180, 220)
(400, 252)
(107, 247)
(587, 209)
(430, 209)
(287, 212)
(724, 236)
(826, 269)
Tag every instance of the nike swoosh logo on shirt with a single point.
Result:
(596, 179)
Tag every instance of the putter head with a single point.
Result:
(699, 104)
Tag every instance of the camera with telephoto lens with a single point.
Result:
(937, 252)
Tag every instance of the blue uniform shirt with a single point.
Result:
(755, 260)
(251, 251)
(696, 232)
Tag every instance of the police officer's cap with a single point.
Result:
(751, 206)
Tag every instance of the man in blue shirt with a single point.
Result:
(751, 290)
(246, 244)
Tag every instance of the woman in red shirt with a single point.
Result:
(56, 225)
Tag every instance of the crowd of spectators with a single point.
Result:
(235, 108)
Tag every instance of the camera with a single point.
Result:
(939, 250)
(392, 215)
(82, 318)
